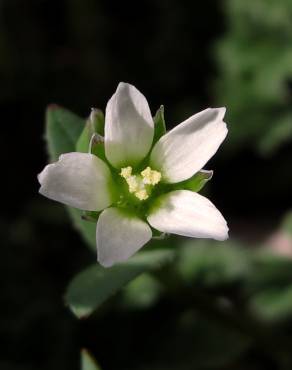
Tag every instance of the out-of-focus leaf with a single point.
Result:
(277, 135)
(63, 129)
(82, 144)
(87, 361)
(159, 124)
(142, 292)
(255, 62)
(267, 270)
(212, 263)
(287, 223)
(195, 183)
(272, 305)
(93, 286)
(268, 286)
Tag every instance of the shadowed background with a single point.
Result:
(186, 55)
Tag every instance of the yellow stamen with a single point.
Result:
(133, 184)
(150, 177)
(126, 172)
(137, 183)
(142, 194)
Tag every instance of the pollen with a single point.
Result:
(142, 194)
(133, 183)
(150, 177)
(141, 184)
(126, 172)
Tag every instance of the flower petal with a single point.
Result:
(187, 148)
(186, 213)
(119, 235)
(129, 127)
(79, 180)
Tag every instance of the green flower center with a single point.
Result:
(141, 184)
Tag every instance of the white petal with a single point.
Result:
(119, 236)
(187, 213)
(79, 180)
(187, 148)
(129, 127)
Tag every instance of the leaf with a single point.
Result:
(82, 144)
(255, 75)
(212, 263)
(141, 293)
(63, 129)
(87, 361)
(195, 183)
(287, 223)
(276, 136)
(268, 269)
(159, 124)
(93, 286)
(268, 287)
(272, 305)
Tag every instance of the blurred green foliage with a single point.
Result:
(209, 308)
(255, 73)
(94, 286)
(88, 362)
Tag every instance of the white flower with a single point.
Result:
(135, 189)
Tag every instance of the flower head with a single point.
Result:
(141, 183)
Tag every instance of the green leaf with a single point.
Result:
(287, 223)
(195, 183)
(63, 129)
(268, 286)
(273, 305)
(255, 72)
(82, 144)
(159, 124)
(268, 269)
(212, 263)
(276, 136)
(141, 293)
(87, 361)
(93, 286)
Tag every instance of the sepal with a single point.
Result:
(91, 139)
(159, 124)
(196, 182)
(97, 120)
(91, 216)
(158, 235)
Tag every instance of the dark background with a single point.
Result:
(187, 55)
